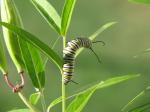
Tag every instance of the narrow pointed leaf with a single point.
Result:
(34, 98)
(39, 67)
(27, 103)
(98, 32)
(147, 50)
(18, 48)
(141, 108)
(140, 1)
(53, 103)
(75, 105)
(33, 40)
(101, 29)
(81, 100)
(49, 13)
(20, 110)
(147, 90)
(29, 63)
(115, 80)
(9, 15)
(142, 53)
(3, 65)
(32, 59)
(66, 15)
(53, 46)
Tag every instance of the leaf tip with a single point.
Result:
(136, 75)
(110, 24)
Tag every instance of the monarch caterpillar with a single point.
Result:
(69, 56)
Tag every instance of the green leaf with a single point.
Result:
(116, 80)
(28, 62)
(82, 97)
(3, 64)
(146, 51)
(34, 64)
(20, 52)
(101, 29)
(98, 32)
(9, 14)
(39, 67)
(20, 110)
(49, 13)
(142, 53)
(147, 90)
(53, 103)
(141, 108)
(140, 1)
(34, 98)
(81, 100)
(66, 15)
(53, 46)
(52, 55)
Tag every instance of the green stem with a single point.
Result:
(27, 103)
(43, 100)
(63, 86)
(63, 95)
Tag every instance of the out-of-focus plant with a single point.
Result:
(142, 107)
(140, 1)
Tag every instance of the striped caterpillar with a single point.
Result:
(69, 56)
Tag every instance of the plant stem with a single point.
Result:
(27, 103)
(43, 100)
(63, 96)
(63, 86)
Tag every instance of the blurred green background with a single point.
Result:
(129, 37)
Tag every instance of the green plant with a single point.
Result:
(35, 65)
(140, 1)
(141, 107)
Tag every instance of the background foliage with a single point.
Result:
(123, 41)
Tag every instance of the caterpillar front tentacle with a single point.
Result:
(69, 56)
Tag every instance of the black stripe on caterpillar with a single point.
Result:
(69, 56)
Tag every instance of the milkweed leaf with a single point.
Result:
(66, 15)
(34, 98)
(33, 40)
(141, 108)
(20, 110)
(82, 97)
(49, 13)
(98, 32)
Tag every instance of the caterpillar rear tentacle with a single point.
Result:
(69, 56)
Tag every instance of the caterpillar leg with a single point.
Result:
(74, 82)
(67, 79)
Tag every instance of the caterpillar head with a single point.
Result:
(85, 42)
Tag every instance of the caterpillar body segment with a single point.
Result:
(69, 56)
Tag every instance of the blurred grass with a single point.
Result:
(123, 41)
